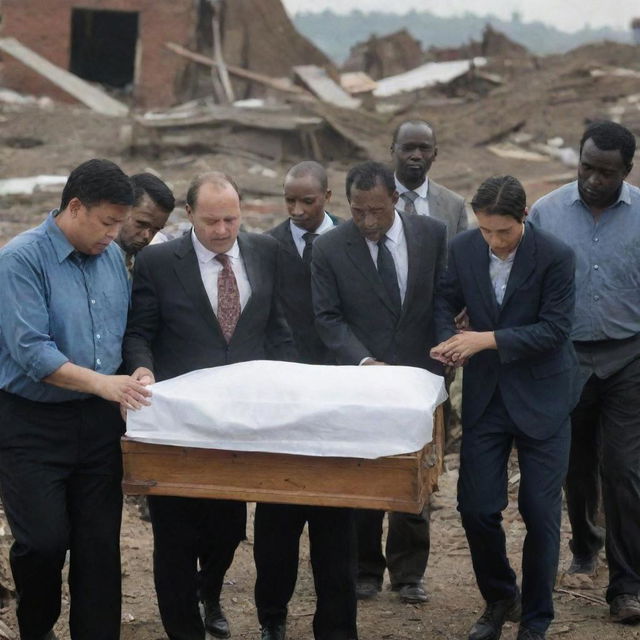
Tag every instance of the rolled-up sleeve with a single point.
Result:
(24, 319)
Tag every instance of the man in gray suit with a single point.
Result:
(372, 281)
(413, 150)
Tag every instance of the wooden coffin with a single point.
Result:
(394, 483)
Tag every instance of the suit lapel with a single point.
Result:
(188, 272)
(283, 234)
(359, 254)
(251, 259)
(523, 264)
(414, 256)
(480, 267)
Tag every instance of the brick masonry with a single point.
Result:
(45, 27)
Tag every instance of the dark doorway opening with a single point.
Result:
(103, 46)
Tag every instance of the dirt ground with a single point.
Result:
(454, 600)
(66, 136)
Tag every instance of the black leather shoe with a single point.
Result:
(528, 634)
(214, 620)
(625, 609)
(489, 624)
(587, 565)
(273, 631)
(412, 593)
(366, 590)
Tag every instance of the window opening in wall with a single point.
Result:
(103, 46)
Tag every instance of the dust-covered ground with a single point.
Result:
(454, 600)
(52, 140)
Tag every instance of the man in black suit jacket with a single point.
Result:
(203, 300)
(519, 386)
(373, 281)
(278, 526)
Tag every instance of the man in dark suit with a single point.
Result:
(413, 151)
(373, 281)
(519, 386)
(203, 300)
(278, 526)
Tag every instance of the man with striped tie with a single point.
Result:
(413, 151)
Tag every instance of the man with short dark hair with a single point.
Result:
(153, 204)
(517, 285)
(373, 280)
(62, 319)
(203, 300)
(278, 527)
(599, 217)
(413, 151)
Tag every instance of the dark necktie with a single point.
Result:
(307, 252)
(409, 198)
(228, 298)
(388, 274)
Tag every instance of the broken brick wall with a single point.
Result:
(45, 27)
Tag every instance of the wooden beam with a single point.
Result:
(318, 82)
(274, 83)
(86, 93)
(223, 74)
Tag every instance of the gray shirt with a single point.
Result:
(607, 259)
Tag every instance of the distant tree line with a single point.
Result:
(335, 34)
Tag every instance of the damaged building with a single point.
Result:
(382, 56)
(121, 44)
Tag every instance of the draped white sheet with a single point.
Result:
(283, 407)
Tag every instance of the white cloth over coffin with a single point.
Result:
(283, 407)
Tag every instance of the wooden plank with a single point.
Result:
(83, 91)
(232, 115)
(320, 84)
(395, 483)
(279, 84)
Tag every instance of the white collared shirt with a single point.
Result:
(421, 202)
(297, 232)
(500, 270)
(210, 268)
(397, 245)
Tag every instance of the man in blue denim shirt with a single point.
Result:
(62, 318)
(599, 217)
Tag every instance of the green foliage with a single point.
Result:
(336, 34)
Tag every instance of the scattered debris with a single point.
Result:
(321, 85)
(583, 596)
(426, 75)
(279, 84)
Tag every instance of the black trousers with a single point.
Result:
(188, 532)
(606, 442)
(333, 559)
(406, 549)
(60, 475)
(482, 496)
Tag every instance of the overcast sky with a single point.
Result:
(569, 15)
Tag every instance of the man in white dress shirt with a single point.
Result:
(373, 280)
(203, 300)
(413, 151)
